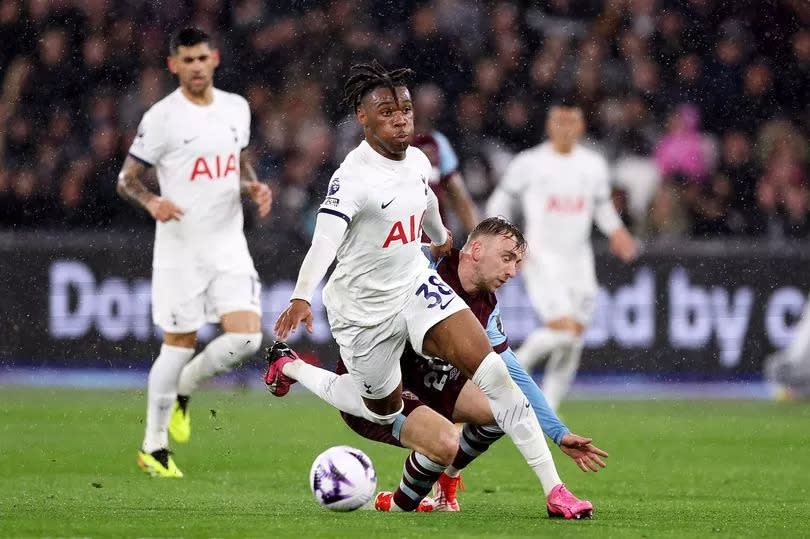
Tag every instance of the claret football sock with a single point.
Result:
(418, 477)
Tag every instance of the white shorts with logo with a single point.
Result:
(184, 299)
(562, 288)
(372, 354)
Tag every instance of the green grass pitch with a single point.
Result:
(677, 469)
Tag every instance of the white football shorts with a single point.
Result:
(372, 354)
(184, 299)
(561, 288)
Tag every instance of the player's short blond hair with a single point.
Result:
(498, 226)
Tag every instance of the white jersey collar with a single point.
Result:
(375, 157)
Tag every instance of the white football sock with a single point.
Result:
(561, 369)
(221, 355)
(161, 394)
(516, 417)
(799, 347)
(338, 390)
(539, 343)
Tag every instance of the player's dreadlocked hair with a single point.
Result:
(364, 78)
(498, 226)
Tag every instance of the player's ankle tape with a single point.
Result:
(383, 419)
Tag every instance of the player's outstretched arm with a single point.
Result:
(249, 183)
(131, 188)
(580, 449)
(326, 239)
(549, 422)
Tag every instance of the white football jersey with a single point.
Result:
(383, 201)
(559, 196)
(195, 150)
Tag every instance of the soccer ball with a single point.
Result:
(342, 478)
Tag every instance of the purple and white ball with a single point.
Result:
(342, 478)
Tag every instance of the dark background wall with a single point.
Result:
(697, 310)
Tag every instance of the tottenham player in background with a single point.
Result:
(382, 294)
(195, 138)
(561, 188)
(788, 371)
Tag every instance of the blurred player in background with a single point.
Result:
(560, 188)
(436, 393)
(446, 180)
(788, 371)
(202, 271)
(382, 294)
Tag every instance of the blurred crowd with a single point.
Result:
(701, 106)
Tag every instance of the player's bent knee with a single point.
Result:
(492, 374)
(180, 340)
(244, 345)
(382, 419)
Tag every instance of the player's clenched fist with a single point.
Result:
(162, 209)
(262, 196)
(296, 312)
(438, 251)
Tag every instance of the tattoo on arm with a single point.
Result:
(247, 174)
(130, 186)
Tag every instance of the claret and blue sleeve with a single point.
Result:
(550, 423)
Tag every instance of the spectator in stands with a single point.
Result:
(724, 76)
(87, 190)
(681, 152)
(782, 192)
(688, 85)
(757, 103)
(794, 84)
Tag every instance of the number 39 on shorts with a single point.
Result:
(436, 293)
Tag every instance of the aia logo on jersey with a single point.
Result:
(214, 169)
(557, 204)
(398, 231)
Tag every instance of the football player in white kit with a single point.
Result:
(561, 188)
(202, 270)
(382, 292)
(787, 371)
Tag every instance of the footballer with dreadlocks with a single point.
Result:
(383, 295)
(436, 395)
